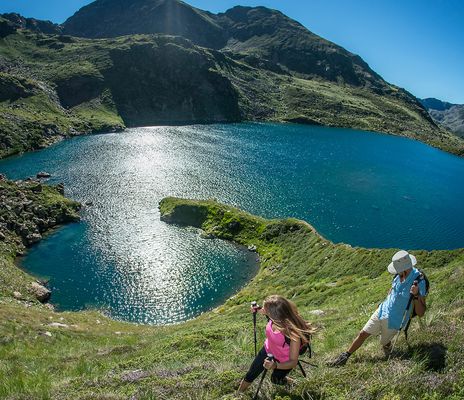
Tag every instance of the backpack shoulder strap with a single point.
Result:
(287, 340)
(423, 277)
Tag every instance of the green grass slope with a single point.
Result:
(92, 357)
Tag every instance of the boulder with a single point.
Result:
(43, 174)
(33, 238)
(17, 295)
(40, 292)
(42, 224)
(58, 325)
(207, 235)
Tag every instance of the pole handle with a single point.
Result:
(411, 296)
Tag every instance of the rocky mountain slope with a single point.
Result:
(447, 114)
(253, 31)
(244, 64)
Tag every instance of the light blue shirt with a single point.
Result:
(394, 305)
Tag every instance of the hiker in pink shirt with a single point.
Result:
(286, 332)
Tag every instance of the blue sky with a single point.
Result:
(415, 44)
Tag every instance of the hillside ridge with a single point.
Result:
(335, 286)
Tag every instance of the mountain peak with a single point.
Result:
(436, 104)
(111, 18)
(17, 21)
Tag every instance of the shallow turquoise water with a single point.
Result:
(356, 187)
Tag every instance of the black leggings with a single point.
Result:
(277, 377)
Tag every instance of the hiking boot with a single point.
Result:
(341, 360)
(387, 349)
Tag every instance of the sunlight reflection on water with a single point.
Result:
(123, 258)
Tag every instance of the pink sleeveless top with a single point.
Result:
(275, 344)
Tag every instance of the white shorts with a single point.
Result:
(376, 326)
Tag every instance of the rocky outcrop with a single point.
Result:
(27, 210)
(43, 174)
(13, 88)
(79, 88)
(6, 27)
(40, 292)
(19, 22)
(191, 90)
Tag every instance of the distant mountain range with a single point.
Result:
(118, 63)
(447, 114)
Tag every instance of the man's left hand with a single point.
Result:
(414, 290)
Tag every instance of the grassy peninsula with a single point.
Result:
(83, 355)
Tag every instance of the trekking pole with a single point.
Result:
(308, 363)
(255, 307)
(302, 369)
(269, 357)
(406, 312)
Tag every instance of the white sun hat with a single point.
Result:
(401, 261)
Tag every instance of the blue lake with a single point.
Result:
(361, 188)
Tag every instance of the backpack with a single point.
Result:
(419, 278)
(305, 347)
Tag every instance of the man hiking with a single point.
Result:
(391, 316)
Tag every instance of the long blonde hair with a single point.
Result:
(286, 318)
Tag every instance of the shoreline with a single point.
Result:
(59, 138)
(218, 303)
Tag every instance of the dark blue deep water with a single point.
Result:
(361, 188)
